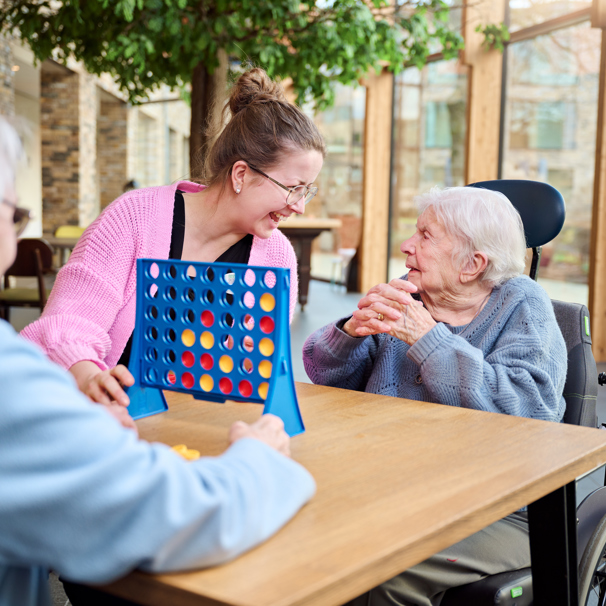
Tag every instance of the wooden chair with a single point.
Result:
(69, 231)
(34, 259)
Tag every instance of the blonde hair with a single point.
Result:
(263, 126)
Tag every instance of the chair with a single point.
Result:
(340, 266)
(34, 259)
(543, 211)
(69, 231)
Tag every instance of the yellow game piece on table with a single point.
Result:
(186, 453)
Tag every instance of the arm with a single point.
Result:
(83, 496)
(332, 357)
(521, 374)
(89, 292)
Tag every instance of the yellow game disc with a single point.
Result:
(187, 453)
(266, 347)
(206, 382)
(226, 364)
(267, 302)
(265, 369)
(188, 337)
(207, 339)
(263, 387)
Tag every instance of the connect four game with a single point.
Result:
(217, 331)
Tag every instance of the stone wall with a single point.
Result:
(112, 149)
(60, 139)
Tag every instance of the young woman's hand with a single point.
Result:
(105, 387)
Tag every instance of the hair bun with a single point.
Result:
(254, 87)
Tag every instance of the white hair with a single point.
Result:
(480, 220)
(11, 153)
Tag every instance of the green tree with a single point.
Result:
(145, 43)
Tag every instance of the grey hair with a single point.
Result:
(480, 220)
(11, 153)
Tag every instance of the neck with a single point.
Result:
(459, 308)
(208, 221)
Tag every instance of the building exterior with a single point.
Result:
(83, 141)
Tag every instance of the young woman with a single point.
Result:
(259, 172)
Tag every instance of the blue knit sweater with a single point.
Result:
(510, 359)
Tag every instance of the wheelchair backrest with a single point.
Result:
(543, 211)
(581, 388)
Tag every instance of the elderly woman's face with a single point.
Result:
(430, 264)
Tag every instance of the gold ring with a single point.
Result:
(380, 317)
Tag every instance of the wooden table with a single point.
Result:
(398, 480)
(301, 233)
(63, 245)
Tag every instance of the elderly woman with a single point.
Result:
(464, 328)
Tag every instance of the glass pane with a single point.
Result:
(524, 13)
(340, 182)
(429, 143)
(550, 133)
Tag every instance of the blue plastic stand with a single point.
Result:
(218, 331)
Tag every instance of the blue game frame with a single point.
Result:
(217, 331)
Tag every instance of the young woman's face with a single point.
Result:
(263, 202)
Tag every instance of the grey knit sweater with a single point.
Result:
(510, 359)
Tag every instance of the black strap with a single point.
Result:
(237, 253)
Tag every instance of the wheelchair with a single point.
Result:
(543, 211)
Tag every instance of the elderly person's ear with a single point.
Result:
(474, 268)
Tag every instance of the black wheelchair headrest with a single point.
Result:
(540, 205)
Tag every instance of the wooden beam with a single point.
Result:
(598, 13)
(372, 255)
(484, 92)
(551, 25)
(597, 263)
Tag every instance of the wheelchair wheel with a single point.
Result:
(592, 571)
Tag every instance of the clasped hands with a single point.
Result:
(390, 308)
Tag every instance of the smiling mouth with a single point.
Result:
(277, 217)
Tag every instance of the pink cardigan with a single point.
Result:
(90, 313)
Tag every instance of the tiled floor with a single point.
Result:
(327, 303)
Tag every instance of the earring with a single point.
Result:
(238, 190)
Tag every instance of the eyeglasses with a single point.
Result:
(21, 216)
(294, 193)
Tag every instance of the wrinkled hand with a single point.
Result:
(415, 322)
(403, 317)
(387, 300)
(268, 429)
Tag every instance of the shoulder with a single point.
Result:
(137, 223)
(142, 203)
(522, 288)
(526, 303)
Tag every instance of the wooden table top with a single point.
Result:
(398, 480)
(310, 223)
(61, 242)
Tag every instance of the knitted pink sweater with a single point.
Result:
(90, 313)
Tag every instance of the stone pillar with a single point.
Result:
(60, 137)
(88, 203)
(68, 129)
(111, 148)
